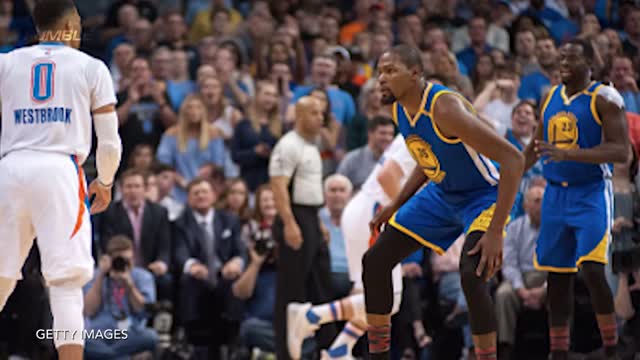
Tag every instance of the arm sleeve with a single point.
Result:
(101, 85)
(109, 150)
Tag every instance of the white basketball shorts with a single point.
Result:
(355, 230)
(43, 195)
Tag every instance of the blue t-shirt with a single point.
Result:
(178, 91)
(337, 249)
(533, 86)
(342, 105)
(468, 57)
(263, 300)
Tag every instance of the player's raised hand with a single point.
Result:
(381, 217)
(490, 249)
(102, 197)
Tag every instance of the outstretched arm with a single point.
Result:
(456, 120)
(615, 139)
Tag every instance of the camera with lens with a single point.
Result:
(264, 246)
(119, 264)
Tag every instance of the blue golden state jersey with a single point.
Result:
(449, 163)
(572, 123)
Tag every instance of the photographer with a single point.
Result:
(257, 284)
(115, 300)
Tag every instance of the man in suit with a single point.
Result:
(210, 254)
(147, 224)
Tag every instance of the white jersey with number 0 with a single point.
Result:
(48, 92)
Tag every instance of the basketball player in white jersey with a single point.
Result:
(50, 92)
(384, 182)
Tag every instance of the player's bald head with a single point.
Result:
(305, 104)
(48, 13)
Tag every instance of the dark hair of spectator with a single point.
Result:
(219, 9)
(139, 57)
(197, 181)
(476, 79)
(587, 48)
(244, 213)
(378, 121)
(47, 13)
(525, 102)
(136, 152)
(257, 212)
(326, 116)
(509, 70)
(131, 173)
(235, 50)
(119, 243)
(160, 168)
(408, 55)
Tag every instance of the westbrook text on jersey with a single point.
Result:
(41, 116)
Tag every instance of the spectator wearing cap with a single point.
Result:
(625, 80)
(256, 135)
(190, 144)
(535, 84)
(358, 163)
(205, 21)
(478, 43)
(323, 71)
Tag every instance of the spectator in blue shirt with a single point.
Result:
(534, 85)
(337, 192)
(179, 85)
(191, 144)
(323, 71)
(478, 46)
(116, 299)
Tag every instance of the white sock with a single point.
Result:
(346, 340)
(325, 313)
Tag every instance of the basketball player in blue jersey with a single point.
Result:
(582, 131)
(455, 153)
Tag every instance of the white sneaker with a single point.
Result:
(298, 328)
(324, 355)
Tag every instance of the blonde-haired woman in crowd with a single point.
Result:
(191, 143)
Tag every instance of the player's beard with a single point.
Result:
(388, 99)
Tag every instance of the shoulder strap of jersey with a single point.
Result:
(547, 100)
(593, 90)
(394, 112)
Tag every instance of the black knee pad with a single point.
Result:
(593, 272)
(469, 264)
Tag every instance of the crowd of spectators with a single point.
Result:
(205, 90)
